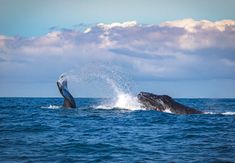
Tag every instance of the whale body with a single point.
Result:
(164, 103)
(63, 88)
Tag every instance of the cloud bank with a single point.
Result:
(176, 50)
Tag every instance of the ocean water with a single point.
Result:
(39, 130)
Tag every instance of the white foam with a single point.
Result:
(208, 113)
(168, 111)
(51, 107)
(127, 101)
(225, 113)
(122, 100)
(228, 113)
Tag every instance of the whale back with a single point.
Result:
(164, 103)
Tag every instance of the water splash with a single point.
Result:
(127, 101)
(122, 99)
(115, 79)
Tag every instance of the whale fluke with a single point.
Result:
(68, 98)
(164, 103)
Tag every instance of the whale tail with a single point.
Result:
(62, 86)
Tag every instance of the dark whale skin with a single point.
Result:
(69, 101)
(164, 103)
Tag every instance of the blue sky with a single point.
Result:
(30, 18)
(183, 48)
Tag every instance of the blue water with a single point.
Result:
(31, 131)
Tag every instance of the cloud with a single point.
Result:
(192, 25)
(204, 33)
(117, 25)
(182, 49)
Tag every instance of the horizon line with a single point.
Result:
(111, 97)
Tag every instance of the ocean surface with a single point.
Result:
(39, 130)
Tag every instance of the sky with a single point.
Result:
(183, 48)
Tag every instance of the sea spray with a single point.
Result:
(122, 100)
(116, 80)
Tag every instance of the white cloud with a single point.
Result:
(117, 24)
(87, 30)
(177, 49)
(193, 26)
(3, 40)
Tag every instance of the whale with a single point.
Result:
(69, 101)
(164, 103)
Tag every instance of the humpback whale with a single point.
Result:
(164, 103)
(68, 98)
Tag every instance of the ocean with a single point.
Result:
(39, 130)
